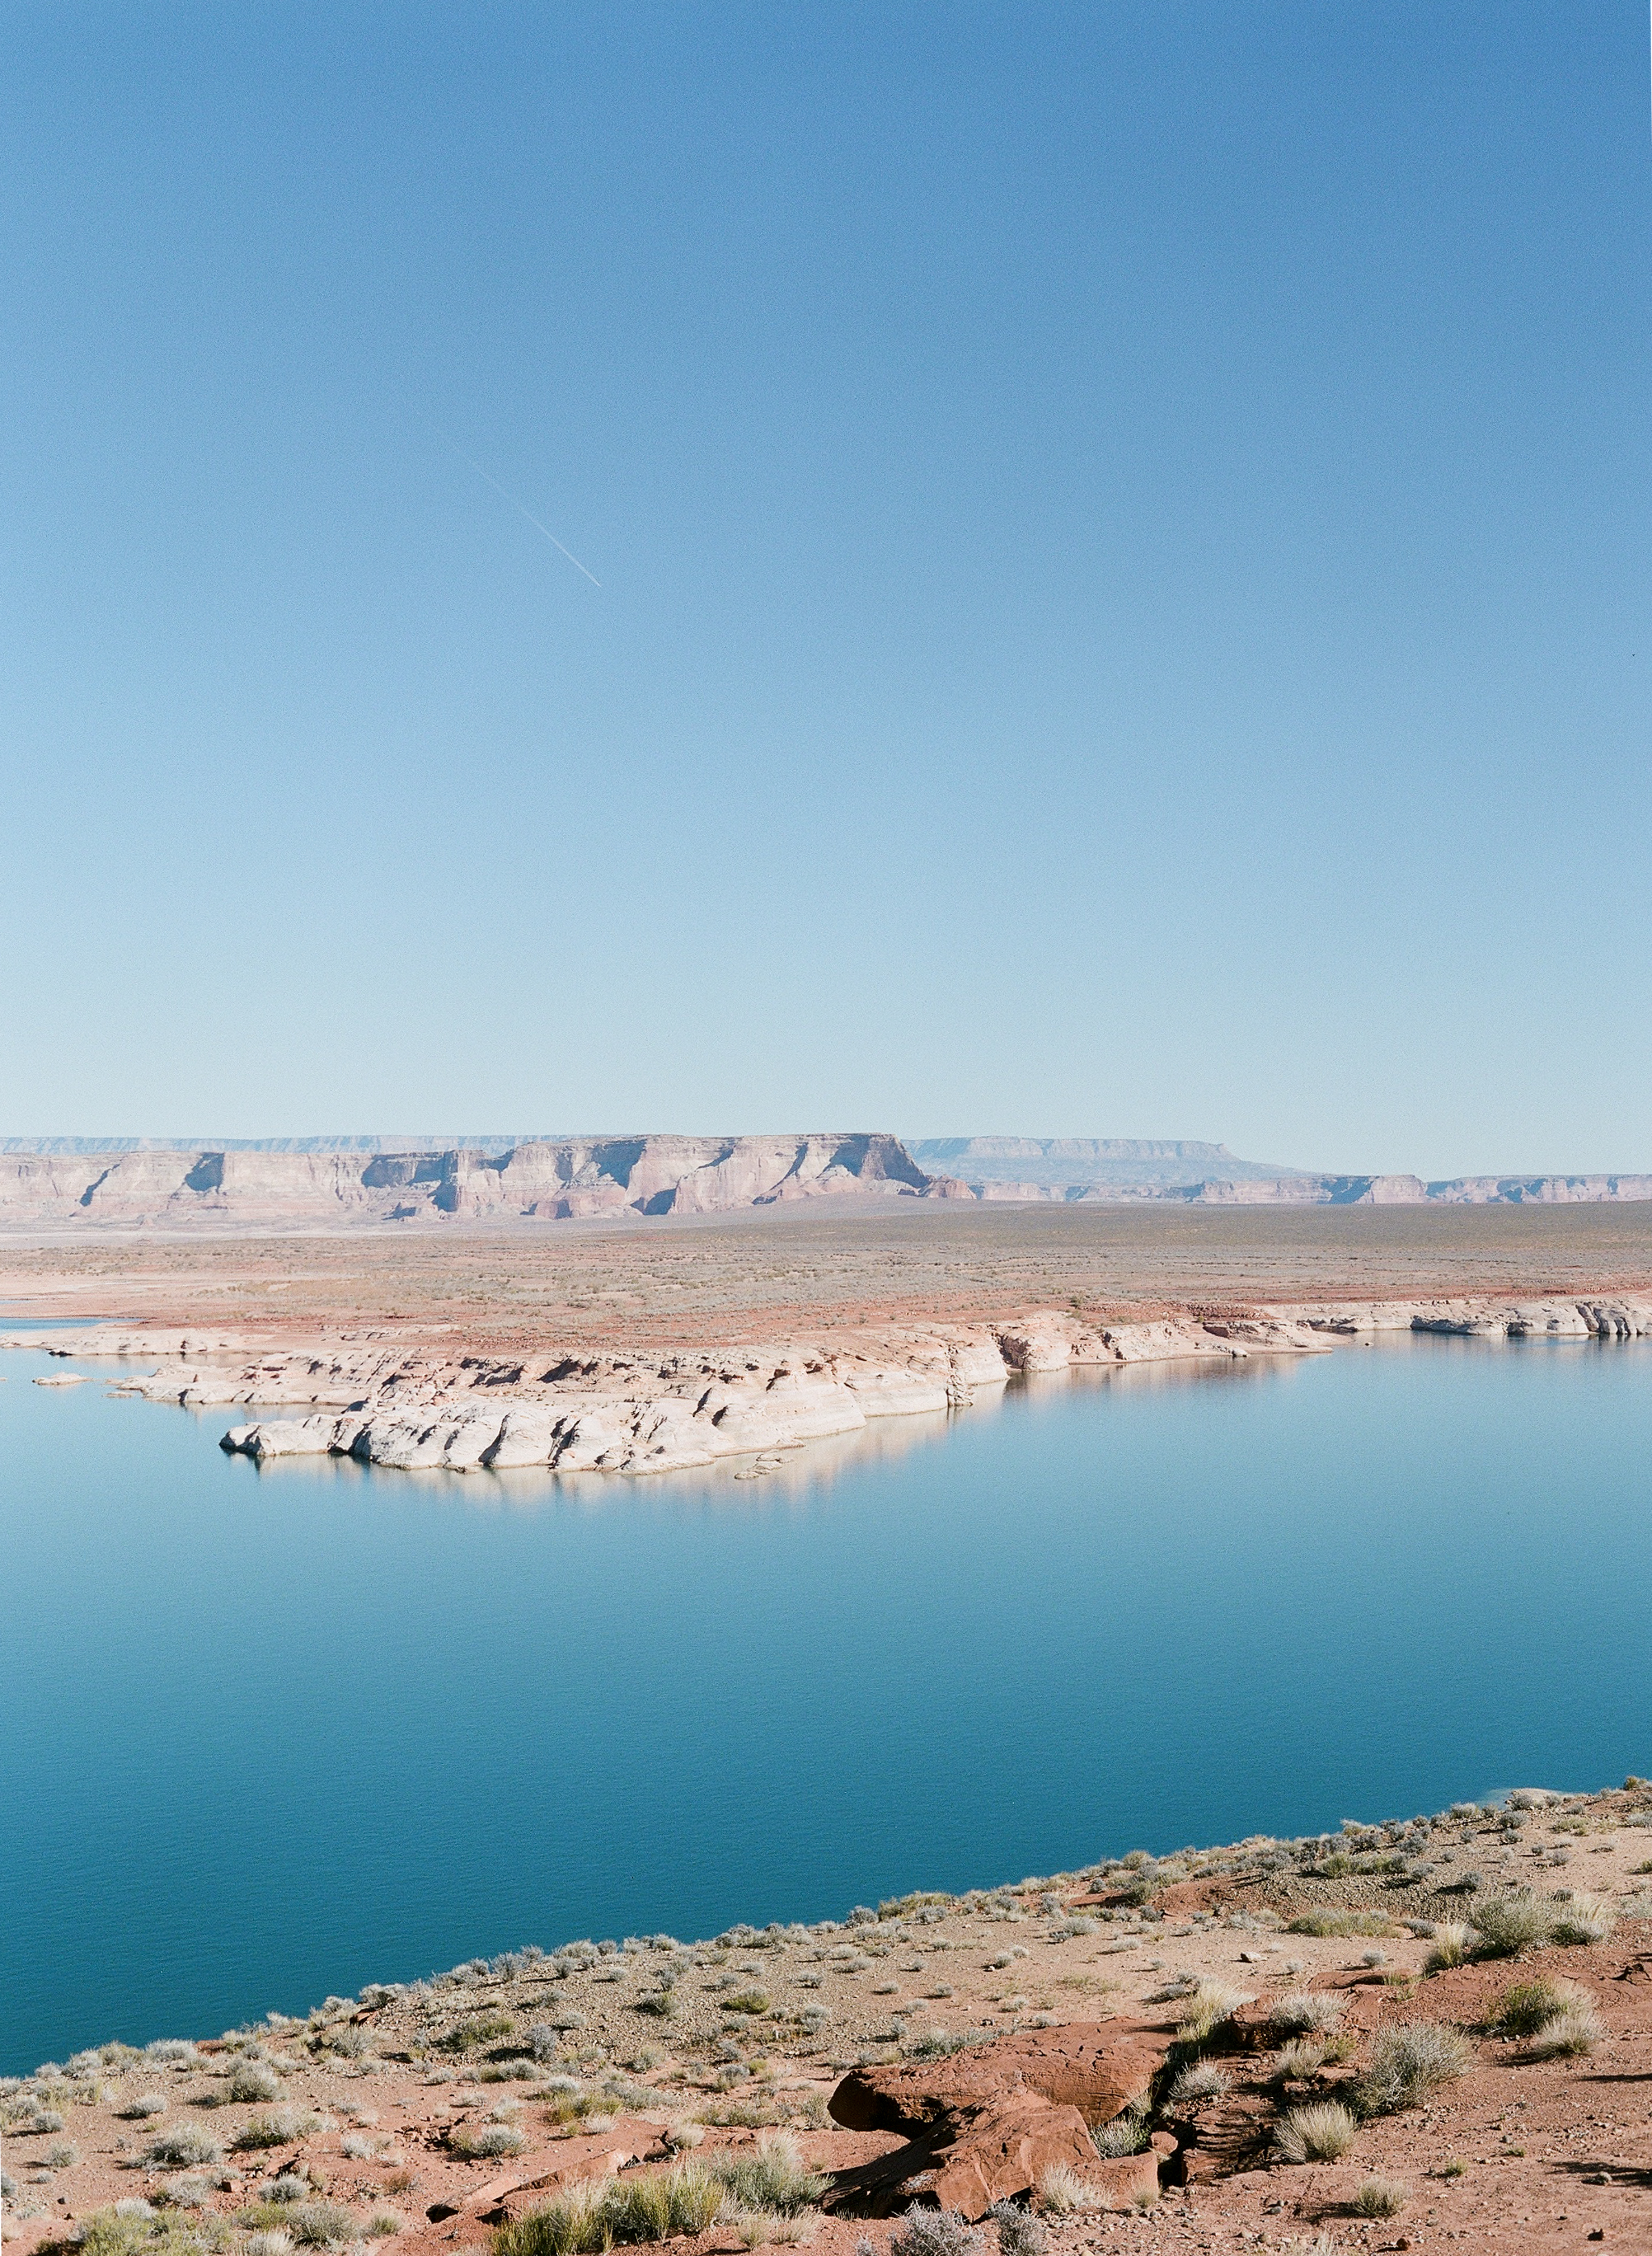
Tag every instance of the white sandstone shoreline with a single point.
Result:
(418, 1411)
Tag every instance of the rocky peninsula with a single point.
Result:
(615, 1346)
(477, 1412)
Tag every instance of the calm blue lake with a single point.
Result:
(269, 1735)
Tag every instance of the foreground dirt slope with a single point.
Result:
(950, 2048)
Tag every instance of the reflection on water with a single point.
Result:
(271, 1734)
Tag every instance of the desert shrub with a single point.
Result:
(937, 2044)
(774, 2176)
(1303, 2058)
(273, 2242)
(43, 2122)
(384, 2223)
(132, 2229)
(173, 2052)
(280, 2128)
(251, 2080)
(746, 2001)
(1208, 2006)
(183, 2147)
(1326, 1921)
(1575, 2029)
(1584, 1919)
(570, 2226)
(1204, 2080)
(61, 2157)
(288, 2186)
(1305, 2011)
(184, 2192)
(591, 2217)
(1511, 1922)
(1449, 1946)
(476, 2029)
(573, 2102)
(145, 2105)
(1019, 2232)
(936, 2232)
(1379, 2197)
(312, 2224)
(359, 2146)
(1524, 2008)
(484, 2142)
(1061, 2189)
(1408, 2062)
(658, 2204)
(1323, 2133)
(1124, 2134)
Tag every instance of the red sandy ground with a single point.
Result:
(664, 1287)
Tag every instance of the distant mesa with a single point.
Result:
(328, 1183)
(1120, 1170)
(1055, 1164)
(253, 1186)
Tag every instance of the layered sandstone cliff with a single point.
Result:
(249, 1188)
(558, 1182)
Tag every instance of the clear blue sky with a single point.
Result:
(1123, 544)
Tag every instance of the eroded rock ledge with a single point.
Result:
(377, 1402)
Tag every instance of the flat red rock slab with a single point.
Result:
(985, 2124)
(1098, 2067)
(546, 2173)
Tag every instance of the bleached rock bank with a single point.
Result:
(476, 1413)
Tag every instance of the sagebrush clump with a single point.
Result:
(1515, 1921)
(936, 2232)
(1061, 2189)
(1449, 1946)
(252, 2080)
(485, 2142)
(773, 2177)
(1379, 2197)
(1124, 2134)
(1584, 1919)
(282, 2127)
(1020, 2233)
(593, 2216)
(1207, 2007)
(316, 2224)
(1202, 2081)
(1524, 2008)
(184, 2148)
(1320, 2133)
(1406, 2063)
(1576, 2029)
(1305, 2012)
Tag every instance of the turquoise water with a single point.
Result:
(267, 1735)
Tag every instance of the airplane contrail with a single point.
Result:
(528, 513)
